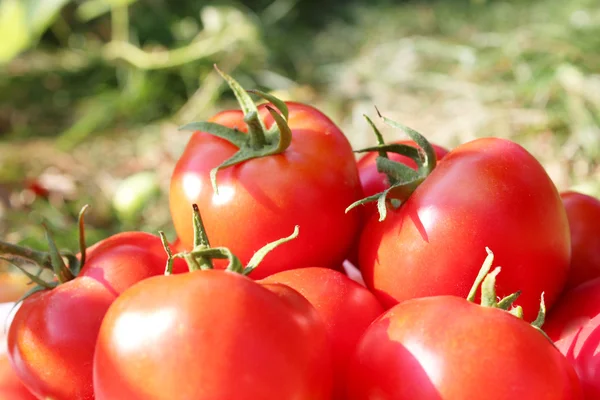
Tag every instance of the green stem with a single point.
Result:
(40, 258)
(63, 274)
(82, 245)
(257, 134)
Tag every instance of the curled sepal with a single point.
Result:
(200, 236)
(403, 180)
(488, 289)
(235, 265)
(282, 136)
(81, 226)
(483, 271)
(508, 301)
(63, 274)
(243, 98)
(165, 243)
(258, 142)
(379, 136)
(517, 312)
(541, 317)
(260, 254)
(279, 104)
(426, 150)
(233, 136)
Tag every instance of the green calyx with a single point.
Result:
(403, 179)
(260, 141)
(202, 255)
(486, 281)
(53, 260)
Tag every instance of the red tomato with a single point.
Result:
(126, 258)
(486, 193)
(212, 335)
(310, 184)
(346, 307)
(583, 212)
(445, 348)
(52, 338)
(373, 181)
(574, 309)
(581, 350)
(11, 387)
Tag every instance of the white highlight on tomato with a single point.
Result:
(430, 362)
(133, 330)
(225, 195)
(192, 185)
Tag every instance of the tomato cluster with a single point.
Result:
(237, 309)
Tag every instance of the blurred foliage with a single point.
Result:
(92, 91)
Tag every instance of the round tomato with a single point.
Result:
(489, 192)
(52, 338)
(346, 307)
(581, 350)
(446, 348)
(574, 309)
(11, 387)
(126, 258)
(310, 184)
(212, 334)
(583, 212)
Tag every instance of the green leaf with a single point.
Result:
(23, 22)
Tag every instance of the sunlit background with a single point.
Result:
(92, 91)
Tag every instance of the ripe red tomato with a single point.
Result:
(373, 181)
(11, 387)
(52, 338)
(486, 193)
(310, 184)
(212, 334)
(583, 212)
(346, 307)
(126, 258)
(574, 309)
(581, 350)
(445, 347)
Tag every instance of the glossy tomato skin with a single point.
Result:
(212, 335)
(445, 348)
(581, 349)
(261, 200)
(126, 258)
(583, 212)
(574, 309)
(346, 307)
(373, 181)
(52, 338)
(11, 387)
(486, 193)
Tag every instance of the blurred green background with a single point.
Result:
(92, 91)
